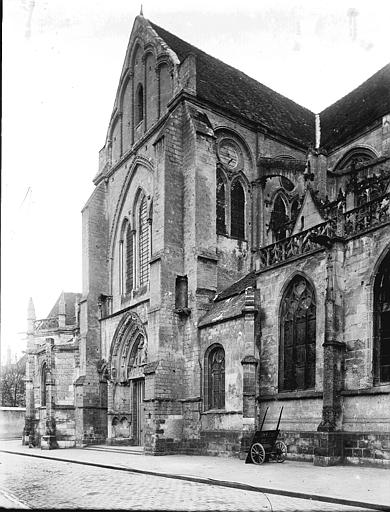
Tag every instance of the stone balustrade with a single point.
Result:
(46, 324)
(370, 215)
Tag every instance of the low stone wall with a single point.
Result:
(12, 422)
(360, 448)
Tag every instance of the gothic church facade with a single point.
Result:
(236, 259)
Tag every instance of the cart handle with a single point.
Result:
(280, 416)
(261, 428)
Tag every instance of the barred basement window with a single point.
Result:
(297, 351)
(143, 243)
(237, 211)
(221, 205)
(216, 378)
(382, 323)
(129, 260)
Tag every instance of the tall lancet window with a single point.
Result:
(382, 323)
(215, 380)
(129, 259)
(297, 351)
(221, 205)
(139, 110)
(237, 229)
(143, 242)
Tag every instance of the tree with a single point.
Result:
(12, 384)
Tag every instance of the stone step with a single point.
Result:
(133, 450)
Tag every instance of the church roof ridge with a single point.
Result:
(227, 87)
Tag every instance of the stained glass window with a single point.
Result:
(216, 378)
(382, 323)
(297, 337)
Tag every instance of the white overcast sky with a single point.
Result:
(61, 65)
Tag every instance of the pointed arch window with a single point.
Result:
(139, 104)
(382, 323)
(297, 350)
(129, 259)
(221, 205)
(121, 268)
(355, 157)
(44, 373)
(143, 242)
(279, 219)
(237, 229)
(215, 383)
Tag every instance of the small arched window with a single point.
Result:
(221, 205)
(237, 229)
(44, 372)
(382, 323)
(297, 351)
(215, 381)
(129, 259)
(143, 242)
(139, 106)
(279, 219)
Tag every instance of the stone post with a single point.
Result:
(329, 447)
(249, 364)
(61, 311)
(48, 440)
(28, 431)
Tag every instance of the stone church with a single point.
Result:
(236, 260)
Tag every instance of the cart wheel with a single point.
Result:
(257, 453)
(280, 451)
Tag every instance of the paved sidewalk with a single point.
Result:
(354, 484)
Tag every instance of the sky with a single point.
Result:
(62, 61)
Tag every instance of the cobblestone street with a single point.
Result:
(40, 483)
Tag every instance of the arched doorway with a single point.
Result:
(128, 357)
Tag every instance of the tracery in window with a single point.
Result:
(297, 349)
(216, 378)
(355, 157)
(382, 323)
(221, 205)
(237, 229)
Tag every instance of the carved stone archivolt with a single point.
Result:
(128, 352)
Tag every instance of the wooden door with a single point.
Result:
(138, 411)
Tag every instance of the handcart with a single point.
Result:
(265, 445)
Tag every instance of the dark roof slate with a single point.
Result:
(223, 310)
(238, 287)
(229, 88)
(70, 315)
(356, 110)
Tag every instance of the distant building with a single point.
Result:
(236, 257)
(52, 368)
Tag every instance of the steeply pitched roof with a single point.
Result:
(70, 314)
(230, 89)
(358, 109)
(238, 287)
